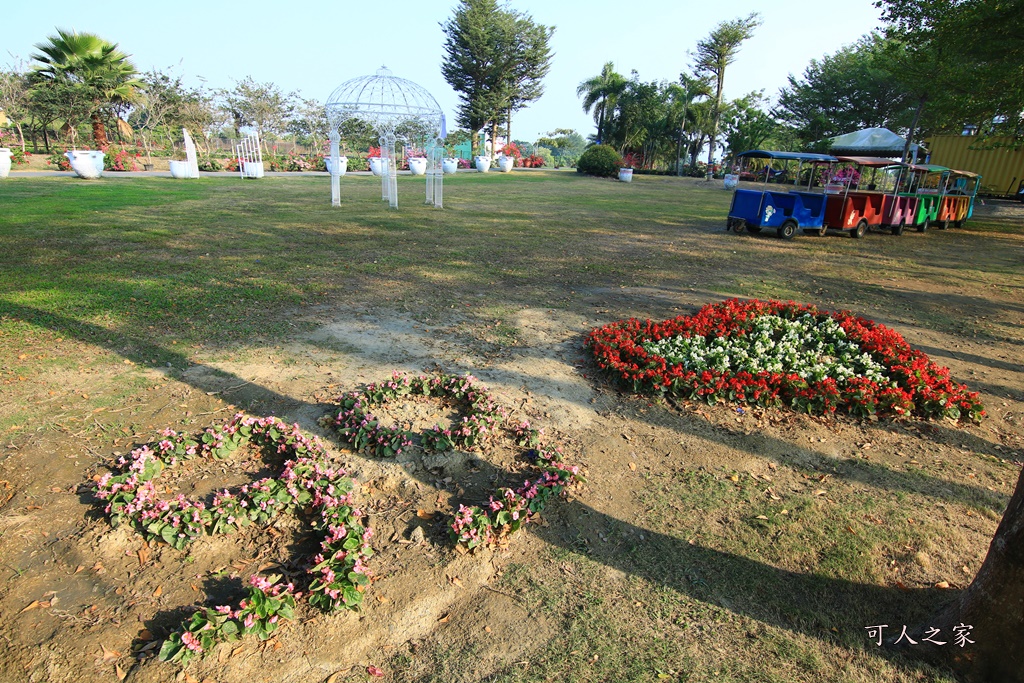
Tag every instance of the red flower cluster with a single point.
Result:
(923, 388)
(533, 161)
(512, 150)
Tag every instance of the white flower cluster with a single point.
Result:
(808, 346)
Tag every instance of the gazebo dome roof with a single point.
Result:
(384, 101)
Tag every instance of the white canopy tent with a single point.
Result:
(875, 142)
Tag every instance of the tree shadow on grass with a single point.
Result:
(835, 611)
(803, 603)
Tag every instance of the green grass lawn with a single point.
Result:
(98, 278)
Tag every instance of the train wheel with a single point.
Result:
(822, 230)
(859, 231)
(943, 225)
(737, 225)
(923, 227)
(787, 229)
(898, 229)
(958, 224)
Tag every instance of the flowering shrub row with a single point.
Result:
(894, 379)
(260, 613)
(338, 575)
(364, 432)
(121, 158)
(506, 511)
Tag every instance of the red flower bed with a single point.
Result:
(923, 388)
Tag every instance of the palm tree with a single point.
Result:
(716, 52)
(601, 93)
(86, 60)
(681, 99)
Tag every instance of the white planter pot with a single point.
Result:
(483, 163)
(450, 166)
(85, 163)
(180, 169)
(505, 163)
(376, 165)
(731, 181)
(252, 169)
(626, 175)
(418, 165)
(5, 162)
(342, 166)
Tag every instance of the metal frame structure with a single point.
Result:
(250, 157)
(389, 104)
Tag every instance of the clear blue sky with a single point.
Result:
(313, 46)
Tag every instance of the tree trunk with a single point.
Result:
(600, 124)
(508, 127)
(913, 128)
(99, 132)
(494, 139)
(993, 606)
(679, 152)
(714, 122)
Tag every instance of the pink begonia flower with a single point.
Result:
(191, 642)
(250, 619)
(374, 671)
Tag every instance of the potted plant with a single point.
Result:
(375, 160)
(483, 163)
(449, 165)
(509, 156)
(179, 166)
(505, 163)
(626, 166)
(417, 161)
(87, 164)
(342, 165)
(5, 162)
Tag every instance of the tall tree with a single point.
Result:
(263, 106)
(747, 125)
(967, 59)
(641, 124)
(86, 62)
(600, 94)
(473, 39)
(494, 59)
(860, 86)
(713, 55)
(682, 97)
(14, 98)
(528, 61)
(159, 109)
(309, 124)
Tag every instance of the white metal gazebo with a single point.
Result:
(396, 108)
